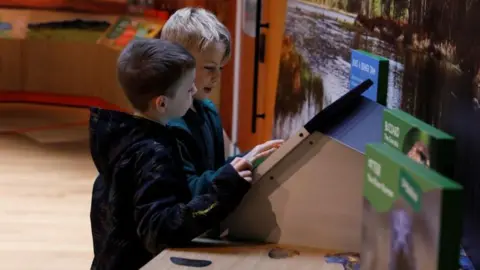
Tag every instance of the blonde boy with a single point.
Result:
(200, 131)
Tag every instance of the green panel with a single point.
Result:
(409, 190)
(387, 170)
(420, 141)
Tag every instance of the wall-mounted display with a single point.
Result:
(53, 25)
(13, 23)
(127, 29)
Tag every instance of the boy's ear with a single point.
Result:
(160, 103)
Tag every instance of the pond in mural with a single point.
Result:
(315, 63)
(433, 47)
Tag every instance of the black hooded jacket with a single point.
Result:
(141, 202)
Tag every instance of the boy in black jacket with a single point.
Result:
(141, 202)
(200, 131)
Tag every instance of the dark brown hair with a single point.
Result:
(148, 68)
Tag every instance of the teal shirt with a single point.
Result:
(200, 138)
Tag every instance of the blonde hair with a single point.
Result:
(196, 29)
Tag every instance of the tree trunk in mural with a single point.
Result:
(416, 12)
(400, 9)
(354, 5)
(386, 7)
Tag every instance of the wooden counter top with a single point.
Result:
(225, 255)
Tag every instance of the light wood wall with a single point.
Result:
(78, 69)
(11, 65)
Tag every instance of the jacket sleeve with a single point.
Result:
(163, 217)
(198, 183)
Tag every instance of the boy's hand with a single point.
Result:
(263, 150)
(243, 168)
(247, 175)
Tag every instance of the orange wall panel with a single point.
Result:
(275, 15)
(273, 12)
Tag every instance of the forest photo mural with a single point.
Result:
(433, 47)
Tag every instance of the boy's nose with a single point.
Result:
(194, 90)
(215, 78)
(215, 75)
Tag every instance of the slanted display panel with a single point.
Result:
(307, 199)
(304, 195)
(434, 71)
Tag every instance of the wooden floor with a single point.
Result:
(46, 176)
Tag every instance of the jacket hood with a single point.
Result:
(111, 133)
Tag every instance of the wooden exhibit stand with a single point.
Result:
(245, 256)
(308, 193)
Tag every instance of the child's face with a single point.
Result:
(179, 104)
(209, 66)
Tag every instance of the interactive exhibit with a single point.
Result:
(366, 186)
(363, 185)
(305, 180)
